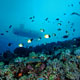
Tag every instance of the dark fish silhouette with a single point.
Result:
(33, 16)
(59, 24)
(54, 34)
(73, 30)
(72, 24)
(21, 31)
(59, 29)
(7, 31)
(64, 13)
(30, 18)
(66, 31)
(68, 22)
(2, 34)
(72, 5)
(9, 44)
(39, 38)
(42, 30)
(46, 19)
(10, 26)
(75, 13)
(57, 19)
(65, 36)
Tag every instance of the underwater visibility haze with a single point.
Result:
(60, 17)
(44, 32)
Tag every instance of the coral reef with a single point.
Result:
(56, 63)
(67, 67)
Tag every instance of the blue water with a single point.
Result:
(18, 12)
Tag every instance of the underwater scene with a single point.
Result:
(39, 39)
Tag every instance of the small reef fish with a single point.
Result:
(10, 26)
(2, 34)
(59, 24)
(32, 20)
(57, 19)
(7, 31)
(59, 29)
(66, 32)
(71, 27)
(42, 30)
(65, 36)
(39, 38)
(75, 13)
(72, 5)
(29, 40)
(64, 13)
(46, 36)
(54, 34)
(72, 24)
(32, 17)
(68, 22)
(73, 30)
(20, 45)
(46, 19)
(9, 44)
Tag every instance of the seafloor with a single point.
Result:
(53, 61)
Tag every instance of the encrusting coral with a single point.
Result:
(41, 66)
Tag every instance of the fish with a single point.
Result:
(39, 38)
(64, 13)
(29, 40)
(9, 44)
(75, 13)
(73, 30)
(46, 19)
(72, 24)
(20, 45)
(65, 36)
(59, 24)
(59, 29)
(47, 36)
(67, 32)
(7, 31)
(71, 27)
(2, 34)
(33, 16)
(30, 18)
(54, 34)
(42, 30)
(68, 22)
(72, 5)
(26, 32)
(10, 26)
(57, 19)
